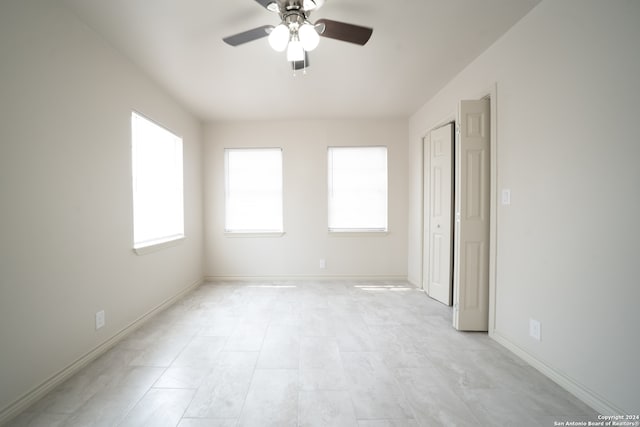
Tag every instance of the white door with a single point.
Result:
(440, 214)
(471, 247)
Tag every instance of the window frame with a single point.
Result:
(175, 232)
(356, 231)
(248, 231)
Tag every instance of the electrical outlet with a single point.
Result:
(534, 329)
(100, 319)
(323, 264)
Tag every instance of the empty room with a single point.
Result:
(319, 213)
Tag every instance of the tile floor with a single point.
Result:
(367, 354)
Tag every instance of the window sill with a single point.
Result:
(253, 234)
(158, 245)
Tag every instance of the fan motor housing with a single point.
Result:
(294, 19)
(302, 5)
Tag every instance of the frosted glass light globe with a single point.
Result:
(308, 37)
(295, 52)
(279, 38)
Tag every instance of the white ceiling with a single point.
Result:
(416, 48)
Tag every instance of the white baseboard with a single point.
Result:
(589, 397)
(413, 284)
(303, 278)
(31, 397)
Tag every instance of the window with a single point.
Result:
(253, 190)
(357, 188)
(158, 211)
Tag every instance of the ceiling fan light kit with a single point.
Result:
(292, 31)
(296, 33)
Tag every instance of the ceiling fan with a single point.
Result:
(296, 33)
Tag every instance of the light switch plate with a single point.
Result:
(100, 319)
(506, 196)
(534, 329)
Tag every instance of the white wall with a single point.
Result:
(568, 148)
(65, 195)
(306, 241)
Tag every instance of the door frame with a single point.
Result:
(492, 94)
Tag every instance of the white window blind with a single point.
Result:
(158, 207)
(357, 188)
(253, 194)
